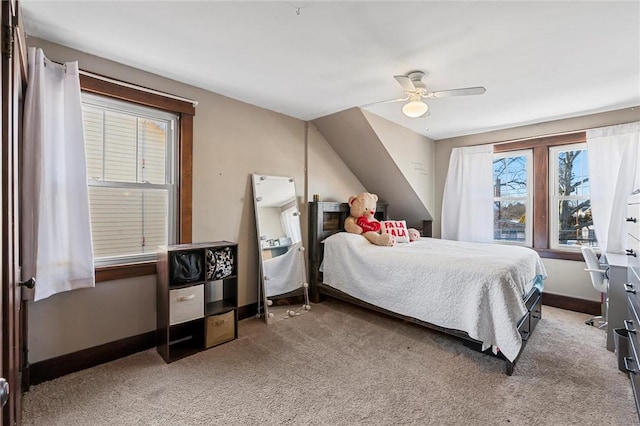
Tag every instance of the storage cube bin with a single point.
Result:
(220, 328)
(186, 304)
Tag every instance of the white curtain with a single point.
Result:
(56, 229)
(613, 175)
(467, 202)
(291, 224)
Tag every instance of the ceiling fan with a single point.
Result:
(415, 90)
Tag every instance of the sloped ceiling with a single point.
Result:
(356, 142)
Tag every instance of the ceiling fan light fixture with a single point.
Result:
(415, 109)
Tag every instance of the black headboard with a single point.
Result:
(325, 219)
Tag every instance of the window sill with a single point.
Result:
(131, 270)
(560, 254)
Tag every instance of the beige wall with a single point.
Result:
(328, 176)
(359, 143)
(413, 153)
(83, 318)
(566, 278)
(232, 140)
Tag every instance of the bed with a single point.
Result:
(488, 295)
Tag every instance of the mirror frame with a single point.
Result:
(303, 290)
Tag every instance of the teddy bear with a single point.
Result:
(414, 234)
(362, 220)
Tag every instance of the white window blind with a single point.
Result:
(131, 175)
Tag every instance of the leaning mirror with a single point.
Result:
(283, 289)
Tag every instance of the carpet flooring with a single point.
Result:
(343, 365)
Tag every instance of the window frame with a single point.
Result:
(169, 186)
(540, 148)
(183, 158)
(528, 154)
(554, 198)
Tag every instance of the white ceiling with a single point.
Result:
(539, 61)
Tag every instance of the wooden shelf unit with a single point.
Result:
(194, 314)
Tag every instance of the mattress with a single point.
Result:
(472, 287)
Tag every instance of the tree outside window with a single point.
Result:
(558, 208)
(571, 203)
(512, 197)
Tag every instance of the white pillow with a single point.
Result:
(397, 228)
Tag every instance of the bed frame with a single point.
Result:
(327, 218)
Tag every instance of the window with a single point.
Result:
(559, 211)
(512, 199)
(570, 203)
(130, 168)
(181, 224)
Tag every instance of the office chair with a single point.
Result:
(600, 281)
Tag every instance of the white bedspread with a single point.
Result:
(286, 272)
(472, 287)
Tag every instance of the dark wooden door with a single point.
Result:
(13, 75)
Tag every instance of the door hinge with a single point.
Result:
(7, 36)
(4, 392)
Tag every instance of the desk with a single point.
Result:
(617, 311)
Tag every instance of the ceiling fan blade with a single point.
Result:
(478, 90)
(406, 98)
(405, 82)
